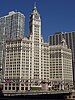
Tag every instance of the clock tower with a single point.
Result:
(35, 37)
(35, 22)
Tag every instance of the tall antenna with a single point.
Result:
(35, 5)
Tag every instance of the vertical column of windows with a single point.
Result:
(55, 63)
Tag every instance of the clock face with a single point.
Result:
(36, 22)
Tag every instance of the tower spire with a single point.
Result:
(35, 6)
(35, 9)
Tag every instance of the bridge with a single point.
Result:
(44, 92)
(37, 92)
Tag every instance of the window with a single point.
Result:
(5, 88)
(22, 88)
(26, 88)
(73, 96)
(17, 88)
(9, 88)
(13, 88)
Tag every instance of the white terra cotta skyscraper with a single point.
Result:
(32, 64)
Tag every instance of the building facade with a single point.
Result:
(2, 55)
(61, 65)
(12, 25)
(32, 64)
(70, 40)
